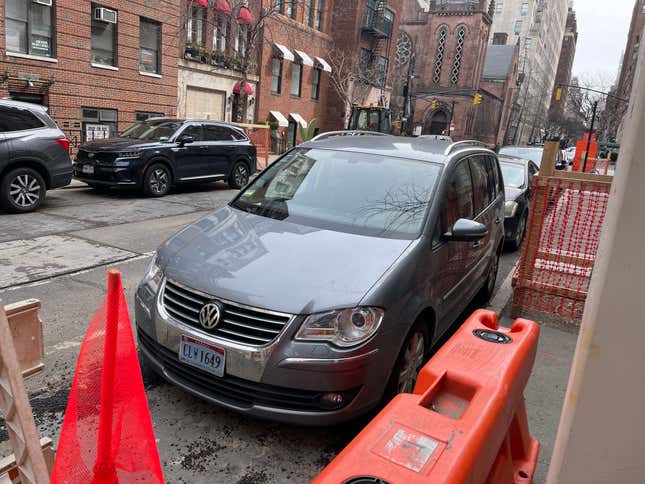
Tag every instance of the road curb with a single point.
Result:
(503, 294)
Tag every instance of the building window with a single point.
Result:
(242, 40)
(315, 83)
(364, 61)
(150, 48)
(290, 8)
(99, 123)
(459, 52)
(276, 75)
(441, 50)
(220, 32)
(143, 115)
(195, 24)
(320, 13)
(296, 79)
(382, 71)
(103, 40)
(499, 7)
(311, 12)
(524, 9)
(518, 27)
(29, 28)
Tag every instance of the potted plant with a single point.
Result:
(192, 50)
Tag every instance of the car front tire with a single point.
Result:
(412, 357)
(22, 190)
(239, 175)
(157, 180)
(520, 232)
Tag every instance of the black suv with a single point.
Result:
(160, 152)
(34, 156)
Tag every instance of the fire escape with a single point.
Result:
(378, 24)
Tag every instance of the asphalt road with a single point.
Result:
(60, 254)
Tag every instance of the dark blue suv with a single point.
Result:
(158, 153)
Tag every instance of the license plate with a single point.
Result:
(201, 355)
(89, 169)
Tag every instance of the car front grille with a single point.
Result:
(97, 157)
(238, 323)
(233, 390)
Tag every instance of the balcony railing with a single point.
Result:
(376, 24)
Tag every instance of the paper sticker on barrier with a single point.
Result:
(408, 448)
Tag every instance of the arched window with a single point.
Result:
(459, 52)
(441, 50)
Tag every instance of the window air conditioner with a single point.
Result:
(105, 15)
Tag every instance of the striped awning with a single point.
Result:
(323, 64)
(282, 121)
(304, 58)
(286, 53)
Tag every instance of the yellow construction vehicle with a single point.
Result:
(370, 118)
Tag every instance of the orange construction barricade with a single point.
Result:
(466, 421)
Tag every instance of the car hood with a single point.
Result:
(512, 193)
(116, 144)
(277, 265)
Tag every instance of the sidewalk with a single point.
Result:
(548, 383)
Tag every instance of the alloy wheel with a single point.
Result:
(241, 175)
(159, 180)
(24, 190)
(519, 237)
(413, 360)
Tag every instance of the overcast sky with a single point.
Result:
(602, 35)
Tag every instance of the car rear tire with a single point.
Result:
(412, 357)
(239, 175)
(516, 243)
(22, 190)
(157, 180)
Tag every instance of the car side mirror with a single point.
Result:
(466, 230)
(184, 139)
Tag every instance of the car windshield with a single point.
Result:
(158, 130)
(513, 175)
(366, 194)
(533, 154)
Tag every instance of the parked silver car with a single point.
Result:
(322, 287)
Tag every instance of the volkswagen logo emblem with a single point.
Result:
(210, 314)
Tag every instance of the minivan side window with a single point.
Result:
(14, 119)
(457, 202)
(483, 183)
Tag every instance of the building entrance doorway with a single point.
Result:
(436, 123)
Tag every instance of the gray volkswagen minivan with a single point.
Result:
(322, 287)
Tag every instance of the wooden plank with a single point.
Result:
(27, 330)
(8, 464)
(15, 408)
(549, 158)
(253, 126)
(578, 176)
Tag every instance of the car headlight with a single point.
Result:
(345, 327)
(154, 275)
(510, 209)
(124, 155)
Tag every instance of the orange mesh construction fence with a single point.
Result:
(553, 273)
(260, 136)
(107, 434)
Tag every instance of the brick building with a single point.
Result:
(97, 66)
(614, 115)
(448, 43)
(294, 71)
(364, 35)
(499, 87)
(218, 70)
(565, 65)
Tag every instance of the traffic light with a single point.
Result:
(558, 94)
(434, 104)
(477, 99)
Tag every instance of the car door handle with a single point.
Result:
(498, 220)
(477, 244)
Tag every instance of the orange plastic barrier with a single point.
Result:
(466, 421)
(107, 434)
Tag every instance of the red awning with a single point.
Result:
(203, 3)
(245, 17)
(237, 89)
(222, 6)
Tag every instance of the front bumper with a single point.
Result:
(285, 380)
(107, 175)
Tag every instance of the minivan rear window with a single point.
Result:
(15, 119)
(366, 194)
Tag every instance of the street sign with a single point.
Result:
(452, 126)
